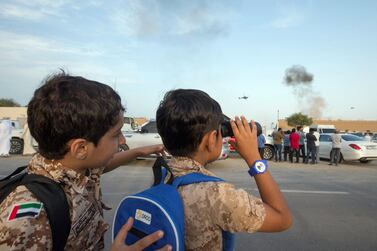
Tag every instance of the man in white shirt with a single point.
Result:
(5, 137)
(316, 134)
(367, 136)
(336, 145)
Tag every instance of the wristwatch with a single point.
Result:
(259, 166)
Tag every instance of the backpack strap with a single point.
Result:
(15, 172)
(229, 241)
(191, 178)
(54, 200)
(9, 183)
(160, 169)
(51, 194)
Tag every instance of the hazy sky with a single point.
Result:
(226, 48)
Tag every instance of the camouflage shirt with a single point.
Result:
(211, 207)
(23, 220)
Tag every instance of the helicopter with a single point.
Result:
(243, 97)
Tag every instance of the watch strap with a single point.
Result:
(254, 170)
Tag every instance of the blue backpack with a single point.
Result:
(161, 208)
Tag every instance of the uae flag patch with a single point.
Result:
(25, 210)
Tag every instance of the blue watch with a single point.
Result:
(259, 166)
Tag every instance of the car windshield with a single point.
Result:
(350, 137)
(328, 130)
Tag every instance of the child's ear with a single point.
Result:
(212, 140)
(79, 148)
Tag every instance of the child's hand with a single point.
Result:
(246, 139)
(153, 149)
(119, 242)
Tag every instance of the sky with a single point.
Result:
(227, 48)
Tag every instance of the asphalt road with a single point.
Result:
(334, 208)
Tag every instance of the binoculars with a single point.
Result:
(226, 129)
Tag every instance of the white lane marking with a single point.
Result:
(309, 191)
(315, 192)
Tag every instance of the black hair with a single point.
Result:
(183, 117)
(293, 130)
(67, 107)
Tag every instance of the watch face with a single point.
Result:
(260, 166)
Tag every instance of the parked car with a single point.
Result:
(321, 128)
(148, 135)
(352, 148)
(358, 134)
(16, 142)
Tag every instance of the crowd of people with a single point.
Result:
(296, 144)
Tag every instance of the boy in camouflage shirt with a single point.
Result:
(77, 124)
(189, 124)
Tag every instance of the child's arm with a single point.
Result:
(278, 216)
(123, 158)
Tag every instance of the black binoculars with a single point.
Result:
(226, 129)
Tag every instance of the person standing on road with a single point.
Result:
(367, 136)
(294, 140)
(316, 134)
(278, 142)
(287, 145)
(336, 140)
(302, 134)
(310, 146)
(261, 142)
(5, 137)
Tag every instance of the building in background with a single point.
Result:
(341, 125)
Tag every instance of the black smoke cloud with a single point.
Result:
(309, 101)
(297, 75)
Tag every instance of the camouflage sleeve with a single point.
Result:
(23, 222)
(235, 210)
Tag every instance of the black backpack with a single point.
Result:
(51, 194)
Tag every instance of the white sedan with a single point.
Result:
(148, 135)
(352, 148)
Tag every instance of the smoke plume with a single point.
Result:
(297, 75)
(309, 101)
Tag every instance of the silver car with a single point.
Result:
(352, 148)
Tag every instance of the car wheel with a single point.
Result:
(364, 161)
(123, 147)
(268, 152)
(16, 146)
